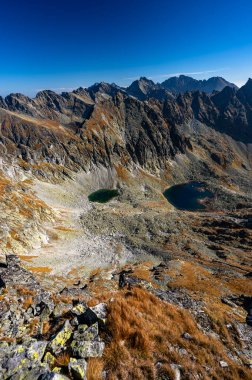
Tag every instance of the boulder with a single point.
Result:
(2, 283)
(223, 364)
(35, 350)
(77, 368)
(94, 314)
(60, 339)
(79, 309)
(87, 333)
(61, 309)
(17, 359)
(49, 359)
(187, 336)
(87, 349)
(88, 317)
(100, 310)
(53, 376)
(31, 374)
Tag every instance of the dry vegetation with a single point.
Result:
(62, 359)
(94, 370)
(144, 341)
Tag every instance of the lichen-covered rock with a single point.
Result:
(35, 349)
(53, 376)
(78, 309)
(49, 359)
(77, 368)
(87, 333)
(31, 374)
(87, 349)
(61, 338)
(17, 359)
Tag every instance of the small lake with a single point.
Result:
(103, 195)
(190, 196)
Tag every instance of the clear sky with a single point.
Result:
(64, 44)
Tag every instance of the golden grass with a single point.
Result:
(94, 369)
(40, 269)
(45, 327)
(62, 359)
(26, 291)
(143, 330)
(27, 302)
(57, 298)
(195, 278)
(34, 325)
(122, 172)
(64, 229)
(7, 339)
(26, 257)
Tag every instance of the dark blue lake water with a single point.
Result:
(189, 196)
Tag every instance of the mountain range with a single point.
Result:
(136, 287)
(145, 88)
(228, 110)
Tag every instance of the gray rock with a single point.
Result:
(61, 309)
(79, 309)
(77, 368)
(60, 339)
(31, 374)
(87, 333)
(87, 349)
(94, 314)
(187, 336)
(176, 368)
(53, 376)
(100, 310)
(18, 359)
(223, 364)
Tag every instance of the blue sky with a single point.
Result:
(60, 44)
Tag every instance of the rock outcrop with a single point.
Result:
(27, 350)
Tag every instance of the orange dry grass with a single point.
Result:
(65, 229)
(143, 274)
(26, 257)
(62, 359)
(144, 330)
(122, 172)
(34, 325)
(7, 339)
(241, 285)
(94, 369)
(196, 278)
(26, 292)
(40, 269)
(45, 327)
(57, 298)
(27, 302)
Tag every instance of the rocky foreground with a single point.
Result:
(143, 330)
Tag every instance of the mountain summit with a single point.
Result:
(184, 83)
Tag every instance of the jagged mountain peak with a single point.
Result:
(185, 83)
(245, 92)
(144, 88)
